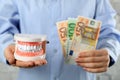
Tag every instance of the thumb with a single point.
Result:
(9, 54)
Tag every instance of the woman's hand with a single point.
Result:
(9, 55)
(94, 61)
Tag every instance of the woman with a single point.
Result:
(21, 16)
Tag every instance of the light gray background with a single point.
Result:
(113, 73)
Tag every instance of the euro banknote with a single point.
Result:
(77, 35)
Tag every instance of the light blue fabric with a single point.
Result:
(40, 17)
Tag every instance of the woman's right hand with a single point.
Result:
(9, 55)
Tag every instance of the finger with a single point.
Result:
(40, 62)
(27, 64)
(92, 59)
(93, 65)
(96, 70)
(93, 53)
(9, 54)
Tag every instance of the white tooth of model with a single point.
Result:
(27, 48)
(20, 47)
(37, 48)
(40, 47)
(31, 48)
(34, 48)
(23, 48)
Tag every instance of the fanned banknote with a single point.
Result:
(70, 33)
(85, 37)
(77, 35)
(62, 31)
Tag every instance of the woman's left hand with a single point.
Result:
(94, 61)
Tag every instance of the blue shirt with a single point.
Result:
(40, 17)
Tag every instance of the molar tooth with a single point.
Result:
(22, 47)
(19, 46)
(37, 48)
(40, 47)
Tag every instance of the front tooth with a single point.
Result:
(34, 48)
(27, 48)
(31, 48)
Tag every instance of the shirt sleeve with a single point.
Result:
(9, 25)
(109, 36)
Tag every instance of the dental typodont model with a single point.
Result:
(29, 47)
